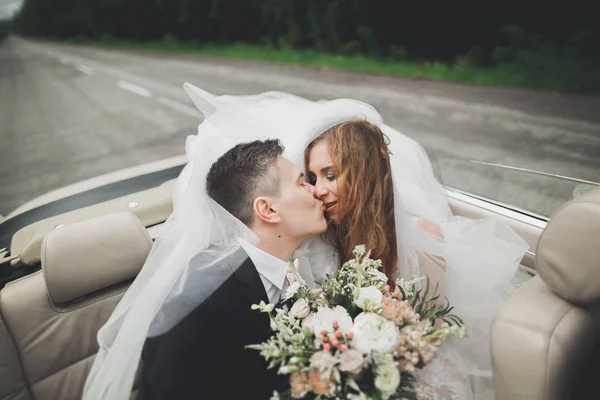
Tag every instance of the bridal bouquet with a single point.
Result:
(355, 337)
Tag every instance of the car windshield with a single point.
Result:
(532, 192)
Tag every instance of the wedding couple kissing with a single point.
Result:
(274, 177)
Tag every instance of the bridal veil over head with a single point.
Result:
(480, 257)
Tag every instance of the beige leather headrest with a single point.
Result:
(87, 256)
(568, 253)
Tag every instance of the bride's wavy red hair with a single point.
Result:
(360, 157)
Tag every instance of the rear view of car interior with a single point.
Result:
(545, 342)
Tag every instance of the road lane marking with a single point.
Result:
(180, 107)
(134, 88)
(85, 69)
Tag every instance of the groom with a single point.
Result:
(204, 356)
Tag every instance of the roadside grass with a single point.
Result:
(549, 78)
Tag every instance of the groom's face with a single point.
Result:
(301, 214)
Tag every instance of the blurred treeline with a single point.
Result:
(553, 42)
(5, 28)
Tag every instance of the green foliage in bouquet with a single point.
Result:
(424, 301)
(341, 287)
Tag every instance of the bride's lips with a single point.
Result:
(329, 207)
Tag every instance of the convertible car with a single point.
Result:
(67, 258)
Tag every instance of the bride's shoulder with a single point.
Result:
(315, 244)
(316, 258)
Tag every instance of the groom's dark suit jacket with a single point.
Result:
(203, 357)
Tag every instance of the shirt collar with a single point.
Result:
(270, 267)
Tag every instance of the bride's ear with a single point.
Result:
(266, 211)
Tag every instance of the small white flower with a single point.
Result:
(300, 309)
(359, 250)
(263, 307)
(387, 379)
(372, 332)
(409, 287)
(378, 274)
(291, 290)
(369, 299)
(288, 369)
(351, 361)
(275, 396)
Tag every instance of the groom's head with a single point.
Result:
(265, 191)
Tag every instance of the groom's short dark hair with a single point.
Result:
(242, 174)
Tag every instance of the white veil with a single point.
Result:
(481, 257)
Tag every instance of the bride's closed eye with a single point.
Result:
(312, 179)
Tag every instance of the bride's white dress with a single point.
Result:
(481, 256)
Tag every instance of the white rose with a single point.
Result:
(300, 309)
(372, 332)
(351, 361)
(369, 298)
(387, 379)
(324, 320)
(378, 274)
(291, 290)
(309, 322)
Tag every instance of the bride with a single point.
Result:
(474, 261)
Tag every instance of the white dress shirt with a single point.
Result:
(272, 270)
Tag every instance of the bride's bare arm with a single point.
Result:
(433, 230)
(438, 262)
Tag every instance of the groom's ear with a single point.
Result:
(266, 210)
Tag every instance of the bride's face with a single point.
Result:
(322, 175)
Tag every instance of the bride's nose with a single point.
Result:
(320, 191)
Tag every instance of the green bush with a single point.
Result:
(397, 52)
(351, 48)
(5, 29)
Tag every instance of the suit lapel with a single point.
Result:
(251, 283)
(252, 291)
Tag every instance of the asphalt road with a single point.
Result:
(69, 113)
